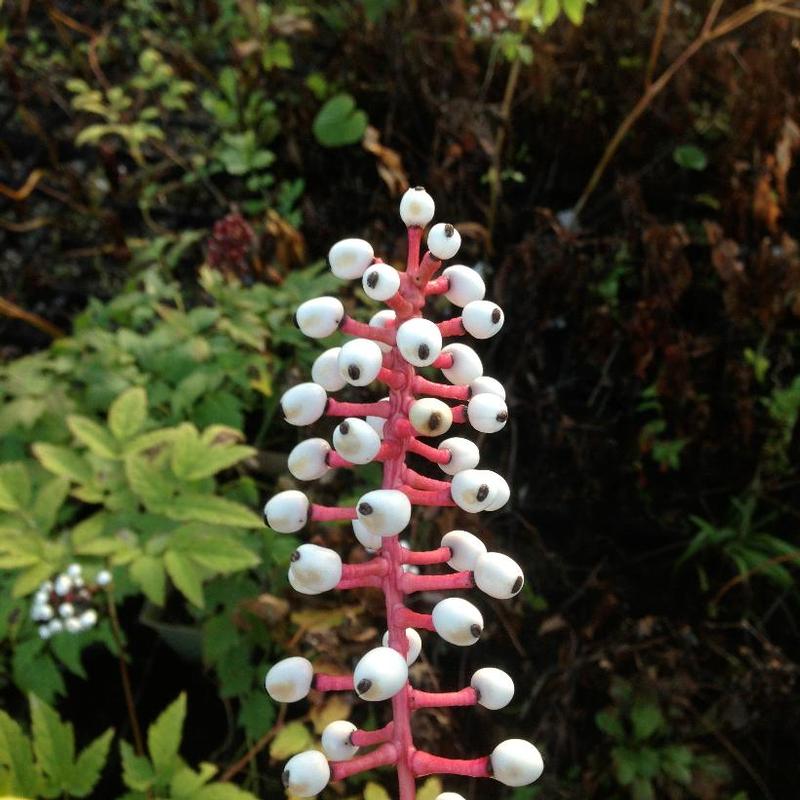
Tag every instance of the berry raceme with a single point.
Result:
(389, 349)
(66, 603)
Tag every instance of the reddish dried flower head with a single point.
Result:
(230, 244)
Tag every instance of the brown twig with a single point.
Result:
(256, 748)
(744, 576)
(658, 41)
(9, 309)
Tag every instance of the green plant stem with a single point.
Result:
(247, 758)
(125, 677)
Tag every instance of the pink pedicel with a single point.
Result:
(514, 762)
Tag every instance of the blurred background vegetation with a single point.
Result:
(623, 175)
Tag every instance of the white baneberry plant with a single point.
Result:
(389, 349)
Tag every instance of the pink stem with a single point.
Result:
(318, 513)
(438, 556)
(400, 306)
(403, 428)
(360, 582)
(406, 618)
(428, 268)
(365, 331)
(391, 378)
(376, 566)
(434, 454)
(420, 497)
(428, 764)
(365, 738)
(336, 408)
(466, 697)
(437, 583)
(424, 386)
(419, 481)
(444, 361)
(380, 757)
(452, 327)
(438, 285)
(459, 414)
(412, 257)
(333, 683)
(333, 459)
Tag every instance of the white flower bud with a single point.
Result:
(350, 257)
(482, 318)
(457, 621)
(381, 281)
(369, 541)
(289, 680)
(487, 413)
(502, 492)
(443, 240)
(63, 584)
(465, 286)
(384, 512)
(88, 619)
(103, 578)
(72, 625)
(473, 489)
(464, 454)
(307, 461)
(487, 385)
(498, 576)
(66, 610)
(430, 416)
(304, 404)
(320, 317)
(516, 762)
(384, 319)
(494, 687)
(315, 569)
(356, 440)
(325, 370)
(380, 674)
(466, 549)
(360, 361)
(74, 570)
(336, 740)
(414, 644)
(287, 512)
(306, 774)
(466, 367)
(416, 207)
(419, 341)
(55, 626)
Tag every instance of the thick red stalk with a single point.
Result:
(365, 331)
(452, 327)
(438, 556)
(420, 699)
(437, 286)
(428, 764)
(431, 453)
(424, 386)
(333, 683)
(336, 408)
(437, 583)
(385, 754)
(318, 513)
(365, 738)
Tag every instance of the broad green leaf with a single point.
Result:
(137, 771)
(339, 122)
(646, 718)
(35, 670)
(624, 765)
(128, 413)
(373, 791)
(86, 770)
(216, 551)
(222, 791)
(148, 572)
(164, 736)
(29, 580)
(430, 790)
(689, 156)
(215, 510)
(291, 739)
(186, 782)
(63, 461)
(53, 742)
(147, 482)
(574, 9)
(15, 487)
(49, 500)
(609, 722)
(186, 575)
(16, 755)
(96, 437)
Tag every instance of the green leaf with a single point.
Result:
(97, 438)
(29, 580)
(291, 739)
(164, 736)
(128, 413)
(689, 156)
(137, 772)
(609, 722)
(63, 461)
(373, 791)
(16, 755)
(624, 765)
(194, 459)
(574, 9)
(646, 719)
(53, 743)
(49, 500)
(216, 551)
(86, 770)
(214, 510)
(186, 782)
(147, 482)
(186, 576)
(148, 572)
(15, 487)
(222, 791)
(339, 122)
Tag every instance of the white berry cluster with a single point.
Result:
(65, 603)
(487, 19)
(389, 349)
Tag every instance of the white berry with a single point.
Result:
(416, 207)
(350, 257)
(414, 644)
(381, 281)
(467, 365)
(72, 625)
(464, 454)
(465, 285)
(356, 440)
(360, 361)
(314, 569)
(308, 460)
(320, 317)
(443, 241)
(304, 404)
(384, 512)
(103, 578)
(430, 416)
(336, 740)
(287, 512)
(55, 626)
(66, 610)
(482, 318)
(380, 674)
(494, 687)
(88, 618)
(74, 570)
(487, 413)
(325, 370)
(384, 319)
(289, 680)
(62, 585)
(419, 341)
(465, 547)
(502, 493)
(457, 621)
(516, 762)
(369, 541)
(498, 576)
(306, 774)
(487, 385)
(449, 796)
(473, 489)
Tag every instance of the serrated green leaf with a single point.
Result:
(49, 500)
(186, 576)
(137, 771)
(29, 580)
(86, 770)
(34, 670)
(223, 791)
(215, 550)
(147, 482)
(128, 413)
(96, 437)
(148, 572)
(164, 736)
(647, 719)
(291, 739)
(574, 9)
(63, 461)
(16, 755)
(15, 487)
(53, 743)
(211, 509)
(339, 122)
(186, 782)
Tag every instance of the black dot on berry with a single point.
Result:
(354, 372)
(364, 686)
(344, 428)
(502, 416)
(295, 556)
(449, 230)
(476, 630)
(365, 509)
(434, 421)
(496, 315)
(517, 585)
(424, 351)
(482, 493)
(372, 279)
